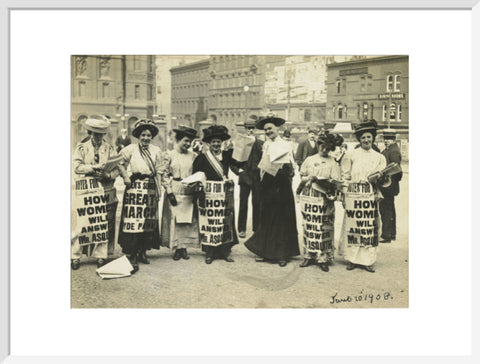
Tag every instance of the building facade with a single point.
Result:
(369, 88)
(120, 88)
(190, 92)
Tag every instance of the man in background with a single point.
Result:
(387, 205)
(123, 140)
(308, 147)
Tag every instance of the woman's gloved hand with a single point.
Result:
(172, 199)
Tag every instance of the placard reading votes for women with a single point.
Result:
(140, 208)
(361, 213)
(94, 211)
(318, 214)
(217, 217)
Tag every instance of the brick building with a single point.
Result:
(190, 93)
(121, 88)
(370, 88)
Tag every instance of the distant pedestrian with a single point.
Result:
(307, 147)
(249, 181)
(123, 140)
(387, 204)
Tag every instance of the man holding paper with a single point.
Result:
(276, 238)
(248, 149)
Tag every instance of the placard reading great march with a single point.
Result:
(140, 208)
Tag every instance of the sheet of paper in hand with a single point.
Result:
(183, 211)
(268, 167)
(279, 153)
(112, 163)
(242, 147)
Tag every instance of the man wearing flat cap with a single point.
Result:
(387, 205)
(307, 148)
(249, 181)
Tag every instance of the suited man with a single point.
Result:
(249, 181)
(387, 205)
(307, 148)
(123, 140)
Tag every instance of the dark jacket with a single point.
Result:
(305, 150)
(122, 143)
(201, 164)
(251, 173)
(392, 155)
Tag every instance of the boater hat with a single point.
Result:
(250, 123)
(185, 131)
(269, 118)
(99, 126)
(389, 134)
(366, 127)
(215, 132)
(143, 124)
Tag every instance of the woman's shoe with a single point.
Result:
(305, 263)
(101, 262)
(229, 259)
(369, 268)
(324, 267)
(259, 259)
(75, 264)
(350, 266)
(282, 263)
(177, 255)
(142, 257)
(185, 255)
(134, 262)
(208, 260)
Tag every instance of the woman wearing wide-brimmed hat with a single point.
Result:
(276, 237)
(359, 239)
(317, 169)
(217, 241)
(91, 180)
(177, 164)
(139, 229)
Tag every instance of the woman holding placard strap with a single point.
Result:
(317, 202)
(93, 183)
(359, 241)
(217, 215)
(179, 219)
(139, 228)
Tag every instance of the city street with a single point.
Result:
(166, 283)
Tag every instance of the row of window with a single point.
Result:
(106, 91)
(392, 84)
(365, 112)
(189, 106)
(190, 76)
(234, 81)
(229, 62)
(190, 91)
(142, 63)
(241, 99)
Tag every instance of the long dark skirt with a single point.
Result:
(389, 218)
(276, 237)
(135, 241)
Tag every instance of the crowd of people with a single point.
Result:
(168, 194)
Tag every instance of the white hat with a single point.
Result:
(97, 125)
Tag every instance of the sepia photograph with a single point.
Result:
(239, 181)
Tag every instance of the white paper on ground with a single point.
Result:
(117, 268)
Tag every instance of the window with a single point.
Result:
(358, 112)
(399, 113)
(384, 112)
(339, 86)
(340, 111)
(136, 63)
(397, 83)
(137, 92)
(389, 83)
(149, 92)
(82, 89)
(150, 63)
(393, 112)
(344, 85)
(363, 86)
(105, 90)
(371, 111)
(308, 115)
(365, 111)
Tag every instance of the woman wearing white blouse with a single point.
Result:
(361, 241)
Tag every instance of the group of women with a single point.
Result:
(147, 171)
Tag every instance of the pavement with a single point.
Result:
(166, 283)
